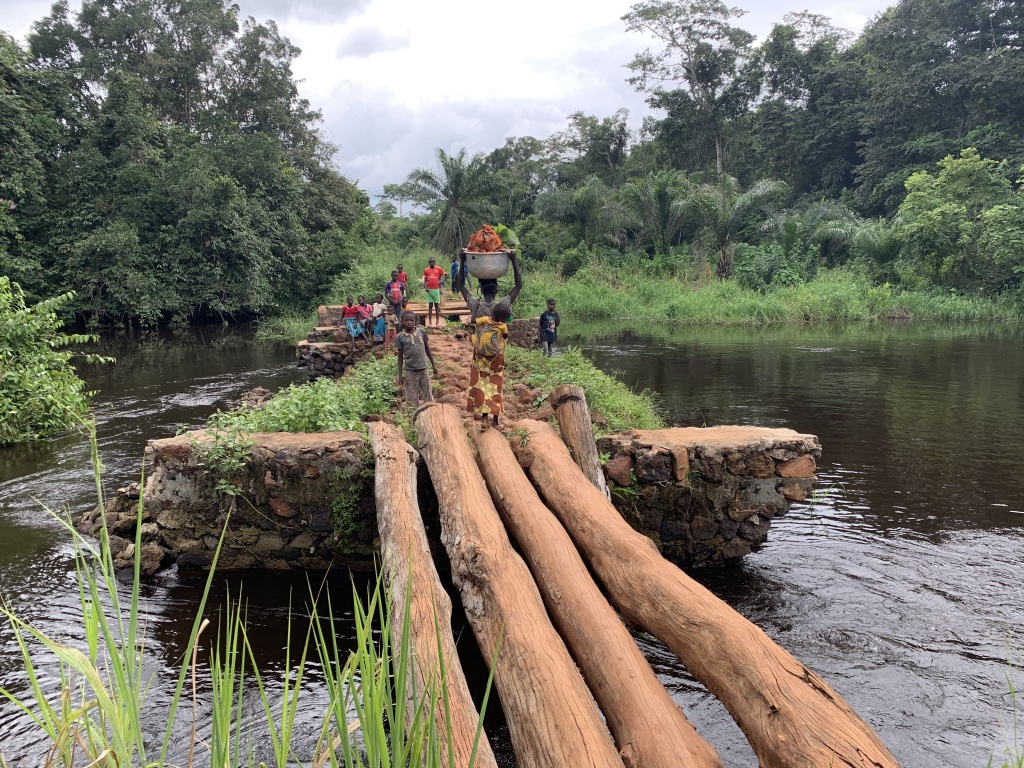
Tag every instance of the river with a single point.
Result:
(900, 582)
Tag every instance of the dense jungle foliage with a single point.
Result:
(895, 155)
(156, 158)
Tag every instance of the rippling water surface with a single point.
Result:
(901, 582)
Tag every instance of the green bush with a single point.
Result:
(40, 394)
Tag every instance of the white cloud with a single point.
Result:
(363, 42)
(397, 78)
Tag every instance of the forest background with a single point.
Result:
(158, 161)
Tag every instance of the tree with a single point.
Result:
(953, 221)
(590, 146)
(657, 204)
(584, 210)
(703, 58)
(401, 194)
(40, 394)
(723, 212)
(458, 193)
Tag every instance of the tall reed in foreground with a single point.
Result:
(103, 712)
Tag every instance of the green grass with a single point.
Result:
(622, 408)
(103, 712)
(608, 292)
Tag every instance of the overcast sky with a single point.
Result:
(397, 78)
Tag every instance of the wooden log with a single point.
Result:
(570, 404)
(407, 563)
(790, 716)
(649, 728)
(552, 719)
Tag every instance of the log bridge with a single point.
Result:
(548, 572)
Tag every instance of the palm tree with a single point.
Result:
(657, 204)
(583, 209)
(723, 212)
(458, 192)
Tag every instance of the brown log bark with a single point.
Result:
(551, 716)
(570, 404)
(407, 563)
(790, 716)
(649, 728)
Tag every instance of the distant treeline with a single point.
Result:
(155, 157)
(897, 152)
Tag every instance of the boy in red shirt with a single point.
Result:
(402, 277)
(432, 277)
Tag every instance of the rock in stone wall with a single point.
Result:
(304, 503)
(328, 351)
(706, 495)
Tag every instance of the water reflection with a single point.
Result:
(899, 582)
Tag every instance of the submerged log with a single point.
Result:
(551, 716)
(649, 728)
(570, 404)
(407, 565)
(791, 717)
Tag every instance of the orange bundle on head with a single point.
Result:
(485, 240)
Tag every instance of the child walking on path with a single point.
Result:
(414, 354)
(487, 371)
(548, 334)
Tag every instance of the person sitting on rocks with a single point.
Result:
(350, 314)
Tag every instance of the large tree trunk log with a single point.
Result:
(407, 564)
(551, 716)
(570, 404)
(791, 717)
(649, 728)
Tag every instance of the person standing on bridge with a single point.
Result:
(485, 306)
(414, 354)
(485, 398)
(432, 277)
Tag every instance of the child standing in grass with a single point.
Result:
(390, 328)
(414, 353)
(549, 322)
(487, 371)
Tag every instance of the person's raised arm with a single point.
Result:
(462, 271)
(517, 275)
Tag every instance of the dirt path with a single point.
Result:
(453, 353)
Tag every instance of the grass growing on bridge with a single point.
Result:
(622, 408)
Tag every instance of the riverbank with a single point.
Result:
(616, 291)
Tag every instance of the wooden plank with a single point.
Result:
(407, 563)
(791, 717)
(649, 728)
(551, 716)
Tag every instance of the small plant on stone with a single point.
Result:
(224, 456)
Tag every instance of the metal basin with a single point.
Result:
(487, 266)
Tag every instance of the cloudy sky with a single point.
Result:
(397, 78)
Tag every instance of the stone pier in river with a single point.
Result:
(306, 500)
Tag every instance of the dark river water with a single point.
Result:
(901, 582)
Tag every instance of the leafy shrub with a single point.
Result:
(40, 394)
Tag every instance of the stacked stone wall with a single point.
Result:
(305, 501)
(708, 495)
